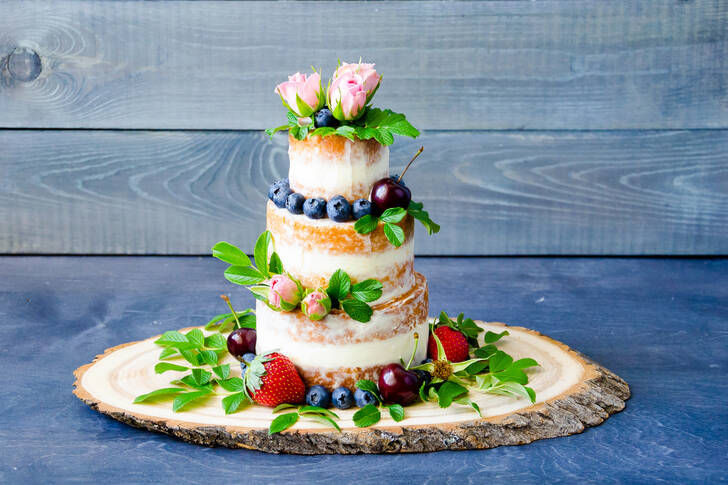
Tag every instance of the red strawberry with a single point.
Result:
(273, 379)
(453, 342)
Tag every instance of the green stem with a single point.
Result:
(414, 351)
(410, 163)
(227, 300)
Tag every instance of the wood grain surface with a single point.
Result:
(492, 192)
(448, 65)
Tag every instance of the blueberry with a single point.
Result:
(324, 117)
(243, 368)
(338, 209)
(395, 177)
(342, 398)
(424, 376)
(363, 398)
(360, 208)
(318, 396)
(275, 185)
(294, 203)
(248, 357)
(280, 195)
(314, 208)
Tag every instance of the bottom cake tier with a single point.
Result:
(338, 351)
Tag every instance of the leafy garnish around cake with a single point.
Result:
(343, 108)
(390, 218)
(354, 299)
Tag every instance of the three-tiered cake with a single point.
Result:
(337, 350)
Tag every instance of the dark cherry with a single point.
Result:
(241, 341)
(398, 385)
(388, 193)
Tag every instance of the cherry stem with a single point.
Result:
(414, 351)
(227, 300)
(410, 163)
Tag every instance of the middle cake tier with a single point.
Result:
(313, 249)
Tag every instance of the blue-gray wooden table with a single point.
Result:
(661, 324)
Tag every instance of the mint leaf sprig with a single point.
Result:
(207, 375)
(353, 299)
(391, 217)
(380, 124)
(313, 413)
(371, 413)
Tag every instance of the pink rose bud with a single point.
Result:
(302, 94)
(351, 89)
(316, 305)
(284, 294)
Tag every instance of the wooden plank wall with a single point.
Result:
(554, 127)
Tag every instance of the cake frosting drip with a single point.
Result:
(333, 165)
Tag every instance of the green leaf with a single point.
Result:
(222, 371)
(323, 131)
(272, 131)
(244, 275)
(374, 117)
(448, 391)
(524, 363)
(232, 402)
(224, 251)
(158, 394)
(282, 423)
(209, 357)
(476, 368)
(317, 410)
(201, 376)
(393, 215)
(383, 136)
(261, 254)
(357, 310)
(215, 321)
(366, 224)
(247, 321)
(323, 420)
(162, 367)
(491, 337)
(233, 384)
(174, 339)
(196, 337)
(260, 292)
(187, 398)
(486, 351)
(468, 402)
(167, 353)
(367, 416)
(292, 118)
(424, 217)
(404, 128)
(367, 290)
(367, 385)
(511, 374)
(346, 131)
(499, 361)
(275, 266)
(188, 380)
(191, 356)
(339, 285)
(514, 389)
(396, 412)
(394, 233)
(283, 406)
(216, 341)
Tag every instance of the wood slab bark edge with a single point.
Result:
(598, 395)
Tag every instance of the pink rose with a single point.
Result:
(316, 305)
(302, 94)
(284, 294)
(351, 89)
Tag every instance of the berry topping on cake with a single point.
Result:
(241, 341)
(280, 194)
(362, 398)
(272, 379)
(390, 192)
(318, 396)
(275, 185)
(325, 118)
(398, 385)
(361, 208)
(315, 208)
(338, 209)
(342, 398)
(453, 342)
(294, 203)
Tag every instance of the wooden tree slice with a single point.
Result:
(572, 393)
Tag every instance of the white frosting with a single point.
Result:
(302, 263)
(350, 173)
(271, 335)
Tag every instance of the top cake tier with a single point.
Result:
(329, 166)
